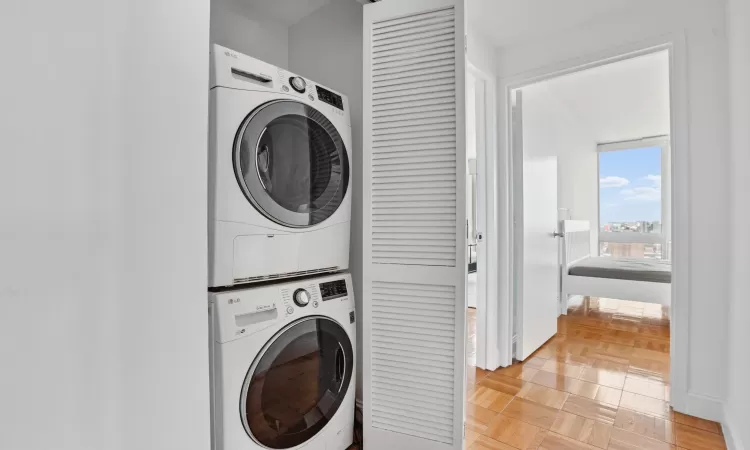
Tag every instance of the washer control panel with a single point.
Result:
(239, 313)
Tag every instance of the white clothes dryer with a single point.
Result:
(279, 173)
(282, 366)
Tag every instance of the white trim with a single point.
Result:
(709, 408)
(655, 141)
(675, 43)
(486, 222)
(731, 428)
(487, 324)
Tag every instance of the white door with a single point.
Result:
(537, 287)
(414, 189)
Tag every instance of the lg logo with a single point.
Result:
(232, 301)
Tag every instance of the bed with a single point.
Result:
(642, 280)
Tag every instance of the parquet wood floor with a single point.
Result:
(601, 383)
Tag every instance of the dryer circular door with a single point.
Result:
(291, 163)
(297, 383)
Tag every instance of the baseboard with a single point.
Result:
(697, 405)
(731, 431)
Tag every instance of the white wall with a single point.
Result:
(738, 398)
(481, 53)
(234, 24)
(327, 47)
(703, 25)
(103, 230)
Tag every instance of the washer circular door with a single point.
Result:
(297, 383)
(291, 163)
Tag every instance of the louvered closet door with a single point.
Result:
(415, 225)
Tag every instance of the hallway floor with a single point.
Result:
(601, 382)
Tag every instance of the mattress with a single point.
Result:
(653, 270)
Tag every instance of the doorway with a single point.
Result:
(675, 189)
(480, 229)
(583, 151)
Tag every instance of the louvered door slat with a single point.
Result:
(415, 213)
(411, 20)
(404, 119)
(413, 169)
(398, 65)
(413, 69)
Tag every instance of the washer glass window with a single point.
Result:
(291, 163)
(297, 383)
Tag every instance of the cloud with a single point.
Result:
(650, 193)
(642, 194)
(655, 179)
(613, 182)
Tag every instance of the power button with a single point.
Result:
(289, 310)
(315, 304)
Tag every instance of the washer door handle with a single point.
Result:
(340, 365)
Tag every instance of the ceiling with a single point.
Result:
(505, 22)
(286, 12)
(615, 102)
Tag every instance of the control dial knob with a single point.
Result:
(298, 84)
(301, 297)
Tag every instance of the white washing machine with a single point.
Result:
(282, 365)
(279, 173)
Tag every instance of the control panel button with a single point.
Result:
(289, 310)
(301, 297)
(298, 84)
(315, 304)
(285, 88)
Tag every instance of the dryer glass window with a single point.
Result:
(291, 163)
(298, 383)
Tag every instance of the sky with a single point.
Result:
(630, 185)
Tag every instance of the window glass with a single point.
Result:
(630, 203)
(630, 191)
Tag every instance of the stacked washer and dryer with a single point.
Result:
(281, 312)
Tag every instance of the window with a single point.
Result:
(634, 209)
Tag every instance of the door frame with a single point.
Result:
(487, 258)
(675, 45)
